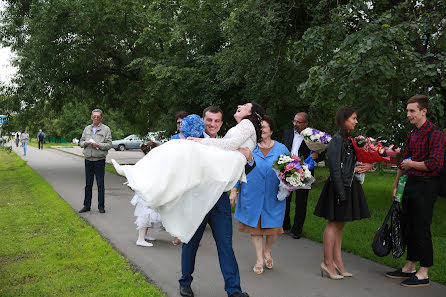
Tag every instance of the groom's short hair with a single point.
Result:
(212, 109)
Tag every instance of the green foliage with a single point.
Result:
(143, 61)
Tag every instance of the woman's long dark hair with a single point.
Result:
(256, 117)
(341, 116)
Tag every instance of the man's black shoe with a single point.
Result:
(413, 281)
(84, 209)
(101, 210)
(296, 236)
(399, 274)
(186, 291)
(238, 294)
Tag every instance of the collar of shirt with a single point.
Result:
(207, 136)
(96, 128)
(297, 141)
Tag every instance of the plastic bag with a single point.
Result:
(397, 232)
(382, 242)
(309, 161)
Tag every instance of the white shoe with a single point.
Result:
(118, 168)
(143, 243)
(150, 238)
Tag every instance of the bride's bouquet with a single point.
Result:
(316, 140)
(293, 173)
(368, 149)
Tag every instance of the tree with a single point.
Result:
(146, 60)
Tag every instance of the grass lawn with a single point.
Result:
(110, 168)
(35, 143)
(358, 235)
(47, 250)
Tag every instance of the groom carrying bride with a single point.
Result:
(219, 219)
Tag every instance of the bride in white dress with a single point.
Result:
(183, 179)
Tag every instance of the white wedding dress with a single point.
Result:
(183, 179)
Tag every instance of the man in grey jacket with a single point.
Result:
(96, 141)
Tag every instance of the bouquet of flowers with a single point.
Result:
(293, 173)
(192, 126)
(367, 149)
(316, 140)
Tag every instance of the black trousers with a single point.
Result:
(300, 211)
(418, 204)
(40, 144)
(92, 169)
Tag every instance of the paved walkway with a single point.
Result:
(296, 272)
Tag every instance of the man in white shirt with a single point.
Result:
(295, 143)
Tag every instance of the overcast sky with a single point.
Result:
(5, 65)
(6, 70)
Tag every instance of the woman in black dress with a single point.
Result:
(342, 198)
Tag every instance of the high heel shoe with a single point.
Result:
(345, 274)
(332, 276)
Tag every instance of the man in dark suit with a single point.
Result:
(295, 143)
(219, 219)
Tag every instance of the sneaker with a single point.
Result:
(143, 243)
(399, 274)
(413, 281)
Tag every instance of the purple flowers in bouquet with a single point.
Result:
(316, 140)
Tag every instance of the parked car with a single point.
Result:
(130, 142)
(158, 137)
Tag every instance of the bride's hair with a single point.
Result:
(148, 146)
(256, 117)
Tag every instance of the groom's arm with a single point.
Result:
(249, 167)
(248, 155)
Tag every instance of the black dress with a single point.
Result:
(354, 208)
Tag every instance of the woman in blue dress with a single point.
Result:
(258, 209)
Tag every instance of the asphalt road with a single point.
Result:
(296, 271)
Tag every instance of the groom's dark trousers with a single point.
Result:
(220, 221)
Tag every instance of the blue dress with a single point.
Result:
(258, 196)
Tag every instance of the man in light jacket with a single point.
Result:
(96, 141)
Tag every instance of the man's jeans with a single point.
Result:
(94, 168)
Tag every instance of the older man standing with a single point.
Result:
(295, 143)
(96, 141)
(219, 219)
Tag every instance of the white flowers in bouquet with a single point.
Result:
(316, 140)
(292, 172)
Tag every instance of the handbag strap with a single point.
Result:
(392, 208)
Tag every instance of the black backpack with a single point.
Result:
(41, 137)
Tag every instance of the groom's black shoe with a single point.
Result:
(84, 209)
(186, 291)
(238, 294)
